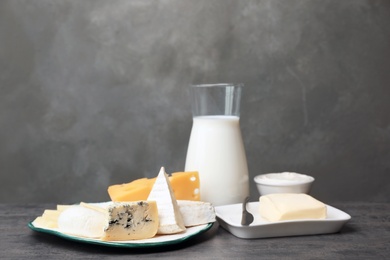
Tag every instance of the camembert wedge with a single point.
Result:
(171, 220)
(196, 213)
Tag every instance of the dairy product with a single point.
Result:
(286, 178)
(136, 190)
(111, 221)
(49, 218)
(291, 206)
(169, 215)
(82, 221)
(185, 186)
(217, 152)
(42, 222)
(196, 212)
(134, 220)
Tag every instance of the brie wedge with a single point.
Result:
(171, 220)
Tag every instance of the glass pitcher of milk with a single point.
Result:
(216, 149)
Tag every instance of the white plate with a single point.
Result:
(229, 217)
(150, 242)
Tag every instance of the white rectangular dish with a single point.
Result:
(229, 217)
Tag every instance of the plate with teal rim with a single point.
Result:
(163, 240)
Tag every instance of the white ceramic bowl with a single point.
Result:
(284, 182)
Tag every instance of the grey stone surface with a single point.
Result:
(365, 236)
(94, 93)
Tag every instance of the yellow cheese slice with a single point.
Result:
(185, 186)
(63, 207)
(45, 223)
(48, 219)
(133, 191)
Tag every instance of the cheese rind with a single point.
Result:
(196, 213)
(286, 206)
(111, 221)
(169, 214)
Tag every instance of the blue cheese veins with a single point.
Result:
(138, 220)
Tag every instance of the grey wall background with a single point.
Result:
(94, 93)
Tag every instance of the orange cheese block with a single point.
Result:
(185, 186)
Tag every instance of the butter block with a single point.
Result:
(286, 206)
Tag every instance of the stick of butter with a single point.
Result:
(289, 206)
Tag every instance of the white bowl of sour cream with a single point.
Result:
(283, 182)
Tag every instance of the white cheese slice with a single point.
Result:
(169, 214)
(285, 206)
(42, 222)
(49, 218)
(196, 213)
(111, 221)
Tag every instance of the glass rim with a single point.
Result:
(217, 85)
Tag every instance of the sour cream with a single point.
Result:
(284, 177)
(284, 182)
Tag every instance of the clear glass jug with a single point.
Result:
(216, 149)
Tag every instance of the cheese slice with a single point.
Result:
(185, 186)
(169, 214)
(63, 207)
(42, 222)
(111, 221)
(285, 206)
(133, 191)
(196, 213)
(49, 218)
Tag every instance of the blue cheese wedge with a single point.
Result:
(111, 221)
(196, 213)
(171, 220)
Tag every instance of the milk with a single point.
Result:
(216, 151)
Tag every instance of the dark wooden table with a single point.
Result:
(365, 236)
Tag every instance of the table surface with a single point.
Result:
(365, 236)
